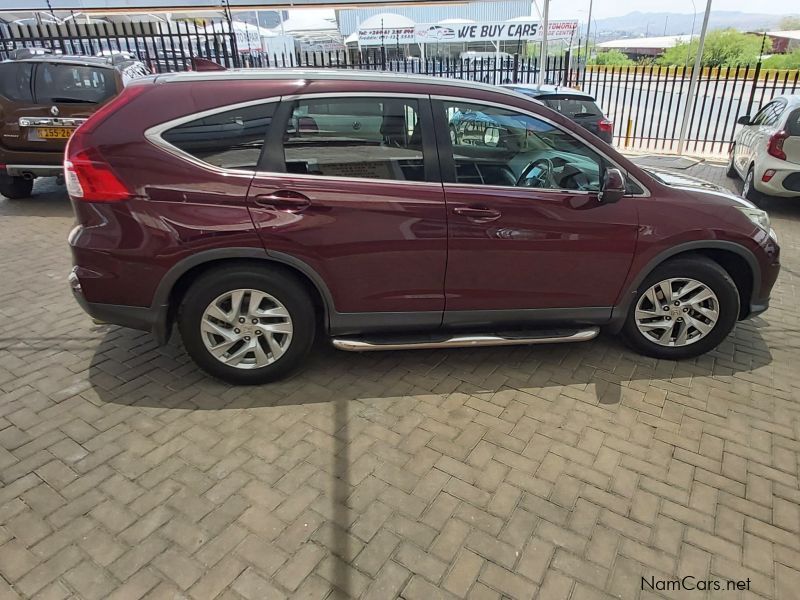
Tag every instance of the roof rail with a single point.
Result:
(22, 53)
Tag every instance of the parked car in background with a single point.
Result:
(575, 105)
(43, 98)
(280, 203)
(766, 150)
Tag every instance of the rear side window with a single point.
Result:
(372, 138)
(574, 108)
(232, 139)
(793, 122)
(15, 81)
(62, 83)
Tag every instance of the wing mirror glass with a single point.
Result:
(743, 120)
(613, 188)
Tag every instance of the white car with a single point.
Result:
(766, 150)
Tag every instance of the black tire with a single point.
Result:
(731, 170)
(749, 190)
(282, 287)
(15, 188)
(705, 271)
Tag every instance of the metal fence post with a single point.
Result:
(753, 87)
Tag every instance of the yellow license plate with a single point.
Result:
(54, 133)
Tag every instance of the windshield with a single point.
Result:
(575, 108)
(64, 83)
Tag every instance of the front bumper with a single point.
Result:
(143, 318)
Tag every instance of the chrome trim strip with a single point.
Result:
(50, 121)
(464, 341)
(557, 126)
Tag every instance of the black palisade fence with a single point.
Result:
(646, 103)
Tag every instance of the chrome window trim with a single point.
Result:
(154, 134)
(645, 194)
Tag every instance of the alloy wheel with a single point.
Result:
(246, 329)
(677, 312)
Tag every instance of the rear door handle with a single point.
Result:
(285, 200)
(478, 213)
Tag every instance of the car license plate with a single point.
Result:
(54, 133)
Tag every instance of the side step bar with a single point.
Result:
(420, 342)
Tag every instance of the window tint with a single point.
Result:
(769, 114)
(793, 123)
(57, 83)
(575, 108)
(232, 139)
(15, 81)
(376, 138)
(496, 146)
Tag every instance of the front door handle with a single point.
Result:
(285, 200)
(479, 214)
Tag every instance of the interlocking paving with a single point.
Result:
(567, 471)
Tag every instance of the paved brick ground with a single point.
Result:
(550, 472)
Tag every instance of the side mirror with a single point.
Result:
(613, 188)
(743, 120)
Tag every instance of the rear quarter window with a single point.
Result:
(793, 122)
(15, 81)
(232, 139)
(64, 83)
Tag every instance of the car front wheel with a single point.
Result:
(15, 188)
(246, 326)
(731, 170)
(749, 190)
(685, 308)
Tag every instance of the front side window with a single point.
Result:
(498, 146)
(371, 138)
(58, 83)
(232, 139)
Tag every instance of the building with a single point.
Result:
(349, 19)
(636, 48)
(784, 42)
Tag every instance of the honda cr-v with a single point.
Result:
(255, 209)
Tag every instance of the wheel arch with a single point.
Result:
(178, 279)
(738, 262)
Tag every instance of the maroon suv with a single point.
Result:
(254, 208)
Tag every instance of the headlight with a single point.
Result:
(759, 217)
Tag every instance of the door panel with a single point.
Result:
(379, 246)
(526, 229)
(546, 250)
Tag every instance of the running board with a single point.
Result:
(421, 342)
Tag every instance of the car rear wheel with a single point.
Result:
(685, 308)
(245, 326)
(15, 188)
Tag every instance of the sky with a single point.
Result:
(577, 9)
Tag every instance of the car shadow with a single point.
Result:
(129, 368)
(49, 199)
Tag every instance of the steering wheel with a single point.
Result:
(544, 179)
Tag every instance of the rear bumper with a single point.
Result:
(38, 164)
(34, 170)
(784, 183)
(143, 318)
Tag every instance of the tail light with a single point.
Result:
(605, 126)
(88, 175)
(775, 144)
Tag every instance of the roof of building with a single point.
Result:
(654, 43)
(386, 21)
(792, 34)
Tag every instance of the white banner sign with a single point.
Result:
(492, 31)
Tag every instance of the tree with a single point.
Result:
(789, 23)
(614, 58)
(727, 47)
(783, 61)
